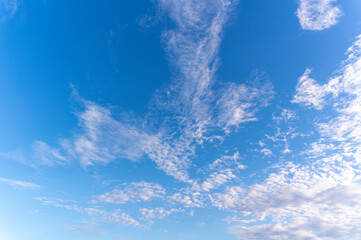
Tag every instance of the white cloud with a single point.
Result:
(266, 151)
(239, 103)
(19, 184)
(188, 197)
(280, 139)
(101, 138)
(124, 219)
(343, 91)
(115, 217)
(300, 201)
(16, 156)
(309, 93)
(157, 213)
(134, 192)
(217, 179)
(181, 116)
(171, 156)
(227, 161)
(285, 116)
(318, 14)
(193, 47)
(320, 198)
(90, 228)
(45, 155)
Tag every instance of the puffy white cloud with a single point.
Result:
(318, 14)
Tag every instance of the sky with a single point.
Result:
(180, 119)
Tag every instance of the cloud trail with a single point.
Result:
(19, 184)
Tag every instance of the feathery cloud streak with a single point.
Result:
(19, 184)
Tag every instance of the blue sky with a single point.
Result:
(180, 119)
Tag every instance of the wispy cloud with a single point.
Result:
(191, 101)
(114, 216)
(318, 199)
(182, 116)
(188, 198)
(90, 228)
(298, 201)
(19, 184)
(311, 93)
(134, 192)
(8, 9)
(101, 138)
(239, 103)
(318, 14)
(285, 116)
(217, 179)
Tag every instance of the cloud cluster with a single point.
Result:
(318, 14)
(157, 213)
(312, 200)
(181, 117)
(134, 192)
(317, 199)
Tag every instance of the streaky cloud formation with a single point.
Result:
(19, 184)
(318, 15)
(102, 139)
(113, 216)
(88, 227)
